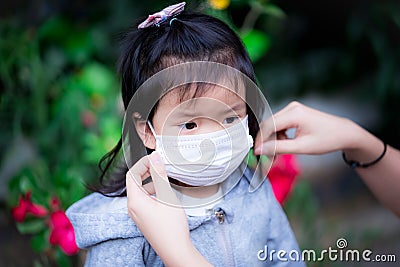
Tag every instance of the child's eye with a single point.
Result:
(231, 120)
(189, 125)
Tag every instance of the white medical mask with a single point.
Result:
(204, 159)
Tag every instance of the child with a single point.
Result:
(202, 131)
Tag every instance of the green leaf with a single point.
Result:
(77, 191)
(264, 160)
(97, 78)
(54, 29)
(99, 144)
(14, 187)
(25, 184)
(62, 259)
(78, 47)
(251, 159)
(55, 61)
(31, 227)
(301, 203)
(36, 263)
(257, 44)
(222, 15)
(94, 149)
(40, 242)
(274, 11)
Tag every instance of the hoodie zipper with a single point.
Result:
(223, 237)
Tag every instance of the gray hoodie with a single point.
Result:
(254, 227)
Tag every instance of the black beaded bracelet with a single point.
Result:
(355, 164)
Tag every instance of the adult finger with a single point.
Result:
(286, 146)
(297, 145)
(267, 128)
(286, 118)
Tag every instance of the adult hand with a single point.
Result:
(161, 220)
(316, 132)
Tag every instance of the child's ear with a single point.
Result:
(144, 132)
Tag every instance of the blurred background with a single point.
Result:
(60, 110)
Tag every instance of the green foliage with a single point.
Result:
(60, 102)
(315, 232)
(376, 25)
(54, 90)
(256, 40)
(39, 242)
(29, 227)
(59, 110)
(61, 259)
(257, 44)
(303, 207)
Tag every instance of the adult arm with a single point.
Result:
(319, 133)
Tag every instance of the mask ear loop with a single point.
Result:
(151, 129)
(258, 174)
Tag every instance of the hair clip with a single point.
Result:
(159, 17)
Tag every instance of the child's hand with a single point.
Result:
(161, 220)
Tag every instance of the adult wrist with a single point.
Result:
(355, 137)
(364, 149)
(356, 164)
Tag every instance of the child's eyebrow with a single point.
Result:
(235, 107)
(190, 113)
(238, 106)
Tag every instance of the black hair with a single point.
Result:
(190, 37)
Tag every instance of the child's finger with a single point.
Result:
(137, 197)
(140, 171)
(133, 189)
(135, 175)
(162, 187)
(149, 187)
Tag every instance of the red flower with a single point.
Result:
(282, 175)
(62, 233)
(25, 206)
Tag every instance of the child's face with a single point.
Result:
(215, 109)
